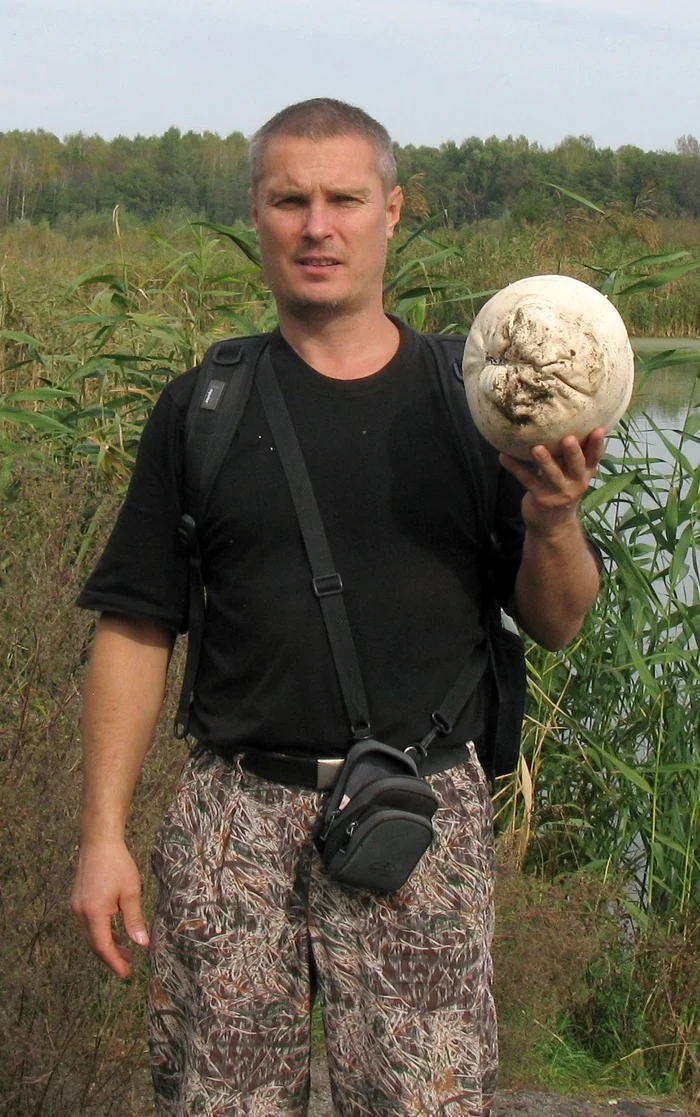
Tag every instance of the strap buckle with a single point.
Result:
(227, 352)
(327, 584)
(186, 530)
(441, 723)
(440, 726)
(327, 772)
(419, 747)
(361, 731)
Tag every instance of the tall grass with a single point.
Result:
(609, 780)
(81, 362)
(631, 757)
(71, 1038)
(605, 806)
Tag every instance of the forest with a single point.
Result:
(45, 178)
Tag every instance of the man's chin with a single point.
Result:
(315, 310)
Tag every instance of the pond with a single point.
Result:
(666, 395)
(663, 414)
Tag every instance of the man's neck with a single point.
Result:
(343, 348)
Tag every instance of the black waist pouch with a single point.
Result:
(376, 825)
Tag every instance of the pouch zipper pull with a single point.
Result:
(329, 822)
(349, 831)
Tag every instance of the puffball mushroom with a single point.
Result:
(545, 357)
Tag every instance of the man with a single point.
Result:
(247, 919)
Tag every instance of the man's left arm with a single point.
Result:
(558, 580)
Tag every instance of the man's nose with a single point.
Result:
(317, 225)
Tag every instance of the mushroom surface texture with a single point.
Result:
(545, 357)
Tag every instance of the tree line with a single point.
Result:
(45, 178)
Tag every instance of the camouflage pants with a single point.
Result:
(246, 912)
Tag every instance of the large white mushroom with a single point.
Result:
(545, 357)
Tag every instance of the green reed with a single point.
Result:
(609, 781)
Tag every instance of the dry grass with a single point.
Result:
(547, 936)
(72, 1038)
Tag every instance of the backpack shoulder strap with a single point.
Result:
(478, 457)
(221, 392)
(223, 386)
(506, 651)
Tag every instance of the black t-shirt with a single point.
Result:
(400, 521)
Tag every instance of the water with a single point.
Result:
(666, 396)
(664, 409)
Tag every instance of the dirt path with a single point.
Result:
(554, 1105)
(525, 1104)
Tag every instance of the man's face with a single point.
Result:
(324, 219)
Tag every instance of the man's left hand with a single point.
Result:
(558, 480)
(558, 577)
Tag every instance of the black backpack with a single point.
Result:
(221, 392)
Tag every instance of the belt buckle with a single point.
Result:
(327, 771)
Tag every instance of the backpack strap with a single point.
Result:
(479, 459)
(221, 392)
(327, 584)
(506, 648)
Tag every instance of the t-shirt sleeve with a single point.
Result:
(142, 572)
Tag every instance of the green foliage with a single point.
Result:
(44, 178)
(610, 777)
(627, 767)
(640, 1010)
(127, 334)
(83, 361)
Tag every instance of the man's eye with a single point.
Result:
(290, 202)
(347, 200)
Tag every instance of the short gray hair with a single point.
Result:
(323, 118)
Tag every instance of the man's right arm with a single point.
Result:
(123, 695)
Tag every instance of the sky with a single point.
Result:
(621, 71)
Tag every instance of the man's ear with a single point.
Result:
(394, 205)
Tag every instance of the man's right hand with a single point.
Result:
(123, 694)
(107, 885)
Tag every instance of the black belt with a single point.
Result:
(320, 773)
